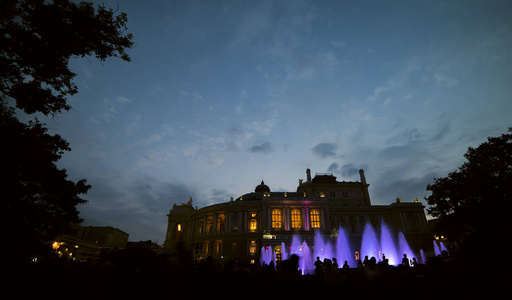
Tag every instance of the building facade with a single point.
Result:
(238, 229)
(88, 242)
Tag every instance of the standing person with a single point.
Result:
(405, 261)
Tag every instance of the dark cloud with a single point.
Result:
(334, 168)
(348, 171)
(220, 195)
(139, 210)
(385, 191)
(264, 148)
(324, 150)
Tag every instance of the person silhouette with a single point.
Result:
(405, 261)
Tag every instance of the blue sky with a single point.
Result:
(223, 94)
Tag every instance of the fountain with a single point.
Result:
(343, 251)
(284, 255)
(436, 249)
(267, 255)
(322, 249)
(388, 245)
(443, 248)
(404, 246)
(372, 245)
(306, 262)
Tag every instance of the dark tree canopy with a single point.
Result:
(477, 196)
(37, 39)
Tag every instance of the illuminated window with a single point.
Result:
(315, 218)
(277, 218)
(179, 227)
(252, 247)
(218, 247)
(209, 224)
(221, 223)
(253, 225)
(296, 218)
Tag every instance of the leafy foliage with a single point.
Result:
(37, 39)
(476, 197)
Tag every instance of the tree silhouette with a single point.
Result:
(37, 39)
(476, 198)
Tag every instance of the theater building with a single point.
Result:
(239, 228)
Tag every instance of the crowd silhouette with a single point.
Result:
(141, 272)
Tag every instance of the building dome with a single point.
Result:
(262, 188)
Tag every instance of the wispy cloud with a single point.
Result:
(444, 80)
(122, 99)
(265, 127)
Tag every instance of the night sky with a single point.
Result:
(223, 94)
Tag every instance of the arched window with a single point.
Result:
(296, 219)
(253, 225)
(221, 222)
(209, 224)
(315, 218)
(277, 218)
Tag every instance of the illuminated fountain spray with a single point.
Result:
(443, 248)
(436, 249)
(392, 248)
(343, 250)
(370, 245)
(267, 255)
(322, 249)
(304, 254)
(374, 244)
(388, 245)
(404, 246)
(284, 254)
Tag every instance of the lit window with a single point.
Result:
(315, 218)
(277, 218)
(209, 224)
(221, 223)
(179, 227)
(253, 224)
(296, 218)
(252, 247)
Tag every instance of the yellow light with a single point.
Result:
(56, 245)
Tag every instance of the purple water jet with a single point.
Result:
(284, 254)
(388, 245)
(370, 245)
(343, 250)
(322, 249)
(436, 249)
(404, 246)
